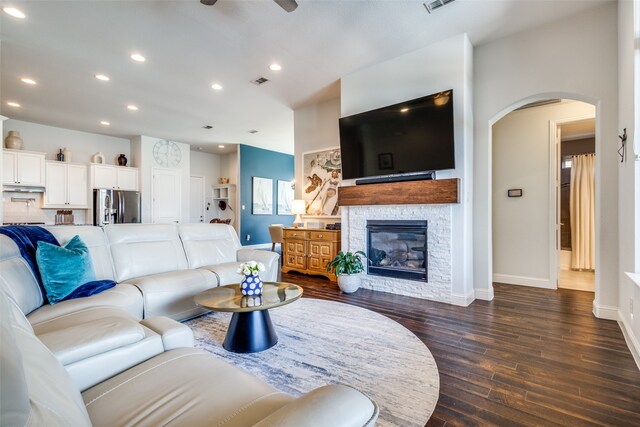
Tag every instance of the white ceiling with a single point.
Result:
(189, 46)
(579, 129)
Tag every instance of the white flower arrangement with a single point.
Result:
(250, 268)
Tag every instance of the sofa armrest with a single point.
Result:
(331, 405)
(268, 258)
(174, 334)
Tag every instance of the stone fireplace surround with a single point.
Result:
(439, 235)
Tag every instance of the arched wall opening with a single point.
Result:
(598, 173)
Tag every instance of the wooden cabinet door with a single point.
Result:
(127, 179)
(55, 191)
(104, 176)
(295, 254)
(77, 186)
(30, 167)
(320, 253)
(9, 160)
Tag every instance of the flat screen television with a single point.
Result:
(409, 137)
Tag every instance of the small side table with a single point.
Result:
(250, 329)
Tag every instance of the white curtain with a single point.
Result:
(582, 195)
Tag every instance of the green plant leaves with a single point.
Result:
(347, 263)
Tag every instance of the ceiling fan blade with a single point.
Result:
(288, 5)
(208, 2)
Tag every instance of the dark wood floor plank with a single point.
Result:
(530, 357)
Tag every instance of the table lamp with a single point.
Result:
(297, 208)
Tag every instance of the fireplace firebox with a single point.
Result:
(397, 249)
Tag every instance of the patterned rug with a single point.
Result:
(325, 342)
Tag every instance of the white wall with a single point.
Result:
(521, 160)
(208, 166)
(572, 58)
(440, 66)
(142, 155)
(83, 145)
(629, 177)
(315, 128)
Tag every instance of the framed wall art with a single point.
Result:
(285, 197)
(262, 201)
(322, 175)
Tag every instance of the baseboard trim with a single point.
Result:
(523, 281)
(630, 338)
(606, 312)
(463, 300)
(484, 294)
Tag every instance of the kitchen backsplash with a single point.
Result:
(21, 211)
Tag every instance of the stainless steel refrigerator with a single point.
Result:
(115, 207)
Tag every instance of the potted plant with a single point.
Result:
(348, 266)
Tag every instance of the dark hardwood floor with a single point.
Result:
(530, 357)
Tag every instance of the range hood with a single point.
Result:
(22, 189)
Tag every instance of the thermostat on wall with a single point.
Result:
(514, 192)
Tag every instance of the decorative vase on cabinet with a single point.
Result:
(13, 140)
(122, 160)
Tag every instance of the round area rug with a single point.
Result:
(325, 342)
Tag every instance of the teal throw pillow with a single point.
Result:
(64, 268)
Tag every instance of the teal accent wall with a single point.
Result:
(264, 164)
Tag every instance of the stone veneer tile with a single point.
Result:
(438, 287)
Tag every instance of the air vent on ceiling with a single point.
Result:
(259, 81)
(253, 131)
(207, 127)
(436, 4)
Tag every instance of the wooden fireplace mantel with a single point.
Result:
(436, 191)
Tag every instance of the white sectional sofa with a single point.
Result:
(159, 268)
(126, 362)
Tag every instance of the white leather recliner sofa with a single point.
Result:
(139, 371)
(159, 268)
(181, 387)
(155, 281)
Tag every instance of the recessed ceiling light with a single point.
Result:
(207, 127)
(253, 131)
(216, 86)
(275, 67)
(13, 104)
(28, 81)
(137, 57)
(132, 107)
(14, 12)
(105, 123)
(404, 110)
(220, 146)
(102, 77)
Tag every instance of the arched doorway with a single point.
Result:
(550, 279)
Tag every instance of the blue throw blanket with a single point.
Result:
(27, 238)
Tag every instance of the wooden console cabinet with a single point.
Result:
(308, 250)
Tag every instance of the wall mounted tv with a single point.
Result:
(405, 138)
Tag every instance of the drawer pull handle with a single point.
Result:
(319, 236)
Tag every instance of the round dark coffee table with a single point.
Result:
(250, 329)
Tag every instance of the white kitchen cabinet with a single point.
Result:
(103, 176)
(23, 168)
(114, 177)
(127, 178)
(67, 186)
